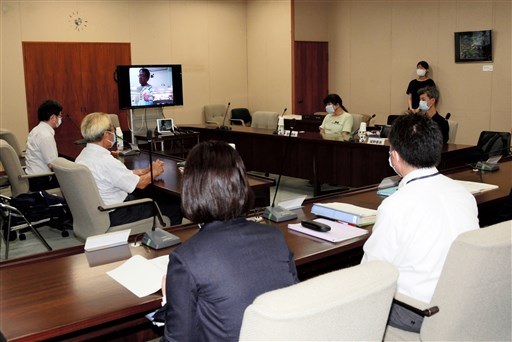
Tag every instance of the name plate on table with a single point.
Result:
(376, 141)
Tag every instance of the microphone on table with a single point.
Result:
(280, 214)
(157, 238)
(224, 127)
(279, 119)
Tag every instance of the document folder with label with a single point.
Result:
(345, 212)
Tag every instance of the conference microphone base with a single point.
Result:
(225, 128)
(278, 214)
(159, 238)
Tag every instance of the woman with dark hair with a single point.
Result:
(337, 120)
(422, 81)
(217, 273)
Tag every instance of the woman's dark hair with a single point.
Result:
(47, 109)
(334, 99)
(215, 185)
(423, 64)
(417, 139)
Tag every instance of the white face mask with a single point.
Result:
(329, 109)
(59, 122)
(423, 105)
(391, 165)
(421, 72)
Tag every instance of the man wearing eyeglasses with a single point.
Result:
(114, 180)
(41, 146)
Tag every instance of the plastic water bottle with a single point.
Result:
(280, 125)
(362, 132)
(120, 141)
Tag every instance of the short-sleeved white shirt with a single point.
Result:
(114, 180)
(337, 123)
(41, 149)
(416, 226)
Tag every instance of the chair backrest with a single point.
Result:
(493, 144)
(474, 290)
(262, 119)
(242, 114)
(215, 113)
(391, 118)
(12, 166)
(114, 118)
(79, 188)
(11, 139)
(356, 123)
(452, 133)
(346, 305)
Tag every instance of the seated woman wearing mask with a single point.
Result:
(337, 120)
(216, 274)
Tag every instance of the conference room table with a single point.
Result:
(63, 295)
(320, 158)
(169, 182)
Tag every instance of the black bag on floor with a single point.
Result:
(41, 205)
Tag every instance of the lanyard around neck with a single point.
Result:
(422, 177)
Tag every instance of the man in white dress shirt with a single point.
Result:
(416, 226)
(114, 180)
(41, 146)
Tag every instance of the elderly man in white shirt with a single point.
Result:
(114, 180)
(416, 226)
(41, 146)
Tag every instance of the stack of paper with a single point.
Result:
(339, 231)
(475, 187)
(345, 212)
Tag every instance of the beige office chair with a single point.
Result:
(114, 118)
(11, 139)
(262, 119)
(90, 214)
(17, 177)
(452, 133)
(214, 115)
(351, 304)
(473, 294)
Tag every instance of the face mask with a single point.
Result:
(423, 105)
(329, 109)
(421, 72)
(59, 122)
(391, 165)
(112, 143)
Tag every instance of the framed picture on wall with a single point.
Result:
(473, 46)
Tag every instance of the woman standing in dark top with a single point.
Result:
(216, 274)
(422, 81)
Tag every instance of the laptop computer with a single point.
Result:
(165, 126)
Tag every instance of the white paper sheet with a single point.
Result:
(140, 275)
(339, 231)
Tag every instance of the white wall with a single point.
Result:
(374, 47)
(211, 39)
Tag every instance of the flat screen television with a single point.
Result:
(145, 86)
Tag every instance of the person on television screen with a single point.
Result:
(422, 81)
(416, 225)
(115, 181)
(337, 120)
(41, 146)
(218, 272)
(145, 89)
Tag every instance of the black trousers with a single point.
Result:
(168, 206)
(42, 183)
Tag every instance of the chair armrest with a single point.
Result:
(36, 175)
(212, 123)
(158, 213)
(240, 121)
(421, 308)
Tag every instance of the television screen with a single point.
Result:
(143, 86)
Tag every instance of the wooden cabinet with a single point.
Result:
(78, 75)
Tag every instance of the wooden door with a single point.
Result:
(78, 75)
(311, 75)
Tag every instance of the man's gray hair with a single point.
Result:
(94, 125)
(432, 92)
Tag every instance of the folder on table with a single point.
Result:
(345, 212)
